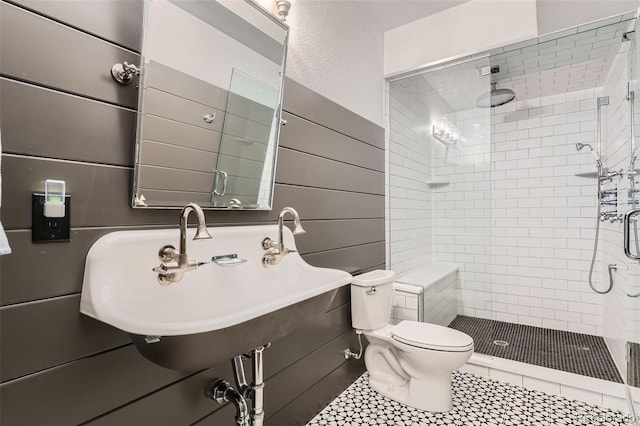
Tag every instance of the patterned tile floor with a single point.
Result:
(476, 402)
(561, 350)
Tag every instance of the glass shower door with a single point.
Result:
(632, 223)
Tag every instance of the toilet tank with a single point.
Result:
(371, 295)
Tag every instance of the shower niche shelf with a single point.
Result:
(437, 183)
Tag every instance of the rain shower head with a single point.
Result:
(496, 97)
(596, 156)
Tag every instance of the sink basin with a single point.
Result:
(215, 312)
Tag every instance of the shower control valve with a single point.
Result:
(611, 217)
(610, 175)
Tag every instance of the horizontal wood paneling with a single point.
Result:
(69, 60)
(316, 108)
(106, 134)
(178, 157)
(333, 234)
(293, 381)
(242, 128)
(175, 199)
(305, 407)
(180, 84)
(242, 167)
(350, 259)
(62, 368)
(78, 391)
(302, 169)
(169, 106)
(44, 334)
(185, 402)
(244, 148)
(306, 136)
(250, 109)
(173, 132)
(100, 196)
(115, 21)
(305, 373)
(162, 178)
(21, 282)
(315, 203)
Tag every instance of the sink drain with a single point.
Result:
(502, 343)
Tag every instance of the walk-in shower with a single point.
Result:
(517, 204)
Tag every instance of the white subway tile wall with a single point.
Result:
(409, 219)
(543, 215)
(439, 303)
(405, 307)
(514, 216)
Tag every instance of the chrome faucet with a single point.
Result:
(176, 262)
(276, 249)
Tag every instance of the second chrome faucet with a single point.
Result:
(276, 249)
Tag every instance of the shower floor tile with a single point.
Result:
(561, 350)
(476, 401)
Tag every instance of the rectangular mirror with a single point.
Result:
(211, 85)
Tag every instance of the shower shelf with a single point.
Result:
(435, 183)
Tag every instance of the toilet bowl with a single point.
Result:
(410, 362)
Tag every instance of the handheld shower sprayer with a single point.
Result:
(596, 156)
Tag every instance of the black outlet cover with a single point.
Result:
(48, 229)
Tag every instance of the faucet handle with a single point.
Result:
(268, 243)
(167, 253)
(161, 270)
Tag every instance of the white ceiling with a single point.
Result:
(552, 15)
(394, 13)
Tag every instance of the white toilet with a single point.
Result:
(410, 362)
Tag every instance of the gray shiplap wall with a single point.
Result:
(63, 117)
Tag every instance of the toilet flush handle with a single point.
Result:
(372, 291)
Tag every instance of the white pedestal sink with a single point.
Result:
(214, 313)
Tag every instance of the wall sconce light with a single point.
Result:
(283, 7)
(445, 132)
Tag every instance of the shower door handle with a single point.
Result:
(627, 234)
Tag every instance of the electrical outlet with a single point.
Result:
(48, 229)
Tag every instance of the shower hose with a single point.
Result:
(595, 242)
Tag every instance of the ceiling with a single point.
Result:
(394, 13)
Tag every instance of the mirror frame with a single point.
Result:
(140, 204)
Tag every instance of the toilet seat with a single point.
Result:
(431, 336)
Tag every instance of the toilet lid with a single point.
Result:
(431, 336)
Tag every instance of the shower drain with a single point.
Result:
(502, 343)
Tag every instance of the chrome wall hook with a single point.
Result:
(123, 73)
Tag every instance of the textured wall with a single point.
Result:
(336, 51)
(465, 29)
